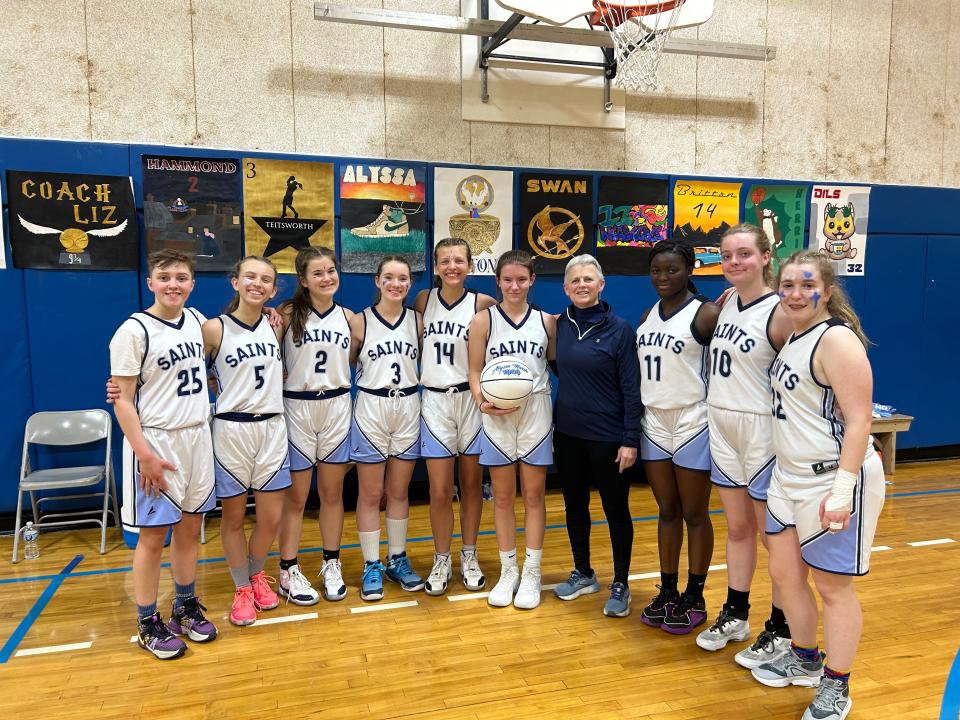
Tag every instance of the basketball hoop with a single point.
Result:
(639, 31)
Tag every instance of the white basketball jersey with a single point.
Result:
(445, 327)
(249, 368)
(525, 341)
(389, 353)
(807, 424)
(741, 355)
(172, 387)
(318, 360)
(673, 364)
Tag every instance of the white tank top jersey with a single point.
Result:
(172, 387)
(525, 341)
(807, 423)
(445, 327)
(389, 353)
(248, 368)
(673, 363)
(741, 354)
(318, 360)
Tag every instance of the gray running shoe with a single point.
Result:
(576, 585)
(831, 703)
(726, 628)
(789, 669)
(765, 649)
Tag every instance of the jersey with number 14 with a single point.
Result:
(445, 361)
(673, 362)
(741, 354)
(318, 360)
(389, 353)
(249, 368)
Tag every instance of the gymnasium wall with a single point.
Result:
(861, 90)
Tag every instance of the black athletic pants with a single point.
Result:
(580, 464)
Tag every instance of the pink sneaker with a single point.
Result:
(243, 611)
(263, 594)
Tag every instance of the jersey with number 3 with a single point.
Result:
(319, 359)
(445, 327)
(741, 354)
(389, 353)
(673, 363)
(248, 368)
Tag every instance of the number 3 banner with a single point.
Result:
(703, 212)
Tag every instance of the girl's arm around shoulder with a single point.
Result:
(779, 328)
(420, 302)
(550, 325)
(705, 321)
(358, 329)
(419, 316)
(485, 302)
(212, 337)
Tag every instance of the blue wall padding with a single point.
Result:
(58, 323)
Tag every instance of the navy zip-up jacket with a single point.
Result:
(598, 396)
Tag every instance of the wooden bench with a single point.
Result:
(884, 431)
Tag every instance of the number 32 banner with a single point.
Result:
(703, 212)
(838, 225)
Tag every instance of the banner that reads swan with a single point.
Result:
(475, 204)
(838, 225)
(72, 221)
(556, 218)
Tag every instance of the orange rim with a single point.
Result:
(611, 14)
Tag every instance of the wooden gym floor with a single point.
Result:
(453, 656)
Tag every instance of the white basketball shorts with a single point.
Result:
(680, 435)
(525, 435)
(385, 427)
(190, 488)
(449, 424)
(741, 450)
(318, 430)
(250, 456)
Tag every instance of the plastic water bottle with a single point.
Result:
(31, 548)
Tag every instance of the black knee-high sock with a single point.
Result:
(778, 622)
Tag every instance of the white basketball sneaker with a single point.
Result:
(391, 222)
(440, 575)
(296, 588)
(470, 572)
(333, 586)
(528, 594)
(502, 593)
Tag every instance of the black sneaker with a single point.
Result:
(684, 616)
(654, 613)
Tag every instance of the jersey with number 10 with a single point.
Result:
(249, 368)
(389, 352)
(673, 363)
(318, 360)
(445, 327)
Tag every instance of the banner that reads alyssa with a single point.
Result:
(556, 218)
(382, 212)
(631, 219)
(475, 204)
(703, 211)
(838, 225)
(781, 211)
(288, 206)
(72, 221)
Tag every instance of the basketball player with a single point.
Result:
(385, 433)
(750, 331)
(249, 434)
(521, 436)
(157, 360)
(316, 355)
(672, 344)
(827, 488)
(449, 417)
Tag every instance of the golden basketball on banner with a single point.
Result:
(288, 206)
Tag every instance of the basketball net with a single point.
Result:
(637, 50)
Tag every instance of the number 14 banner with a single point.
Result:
(702, 212)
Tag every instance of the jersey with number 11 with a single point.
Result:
(673, 362)
(248, 368)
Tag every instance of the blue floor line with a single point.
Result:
(950, 707)
(10, 647)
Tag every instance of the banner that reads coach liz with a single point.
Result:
(475, 204)
(193, 204)
(702, 212)
(838, 225)
(72, 221)
(287, 207)
(556, 218)
(631, 218)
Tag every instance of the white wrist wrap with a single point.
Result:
(841, 495)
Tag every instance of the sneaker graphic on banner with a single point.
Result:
(391, 222)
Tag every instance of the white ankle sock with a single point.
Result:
(533, 557)
(508, 558)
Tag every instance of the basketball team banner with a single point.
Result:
(72, 221)
(631, 219)
(702, 212)
(382, 212)
(781, 210)
(556, 218)
(838, 225)
(194, 204)
(475, 204)
(288, 206)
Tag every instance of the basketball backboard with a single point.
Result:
(554, 12)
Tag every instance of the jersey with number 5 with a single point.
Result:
(248, 368)
(673, 360)
(319, 359)
(445, 327)
(389, 352)
(741, 354)
(167, 358)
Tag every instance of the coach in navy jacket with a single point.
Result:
(597, 416)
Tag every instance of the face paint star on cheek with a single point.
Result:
(816, 299)
(782, 295)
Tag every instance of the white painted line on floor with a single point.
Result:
(387, 606)
(468, 596)
(53, 649)
(880, 548)
(722, 566)
(133, 639)
(652, 575)
(286, 619)
(551, 586)
(939, 541)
